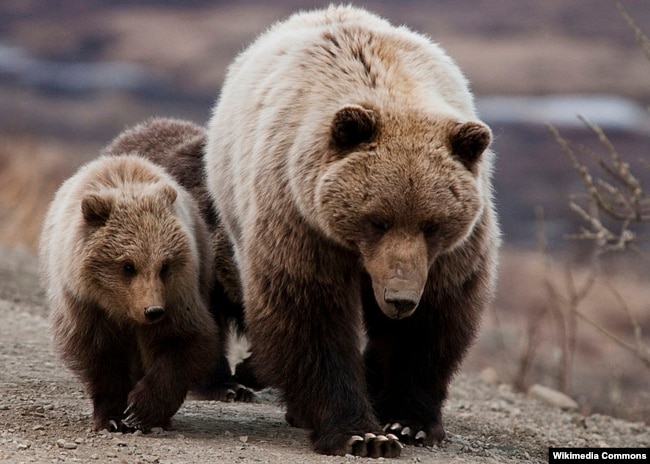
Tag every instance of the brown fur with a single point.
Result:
(122, 241)
(353, 177)
(178, 147)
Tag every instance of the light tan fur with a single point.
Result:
(354, 178)
(122, 237)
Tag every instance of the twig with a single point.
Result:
(639, 35)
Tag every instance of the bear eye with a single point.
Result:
(379, 224)
(128, 269)
(430, 228)
(164, 268)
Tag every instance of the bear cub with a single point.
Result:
(178, 146)
(125, 261)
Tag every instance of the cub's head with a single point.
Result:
(137, 254)
(401, 189)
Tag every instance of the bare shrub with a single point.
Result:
(614, 212)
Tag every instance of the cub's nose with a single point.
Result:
(154, 313)
(404, 301)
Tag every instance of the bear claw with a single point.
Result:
(375, 446)
(131, 420)
(113, 427)
(392, 427)
(407, 434)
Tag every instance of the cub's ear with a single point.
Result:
(469, 140)
(96, 209)
(169, 193)
(352, 125)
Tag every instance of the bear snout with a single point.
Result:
(154, 313)
(399, 301)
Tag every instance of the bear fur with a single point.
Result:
(353, 176)
(178, 146)
(126, 264)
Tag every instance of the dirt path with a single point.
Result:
(45, 416)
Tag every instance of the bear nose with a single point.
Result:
(404, 301)
(154, 313)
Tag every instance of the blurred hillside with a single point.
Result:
(80, 72)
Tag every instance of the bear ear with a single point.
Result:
(169, 194)
(352, 125)
(96, 209)
(469, 140)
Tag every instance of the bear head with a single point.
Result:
(400, 189)
(137, 256)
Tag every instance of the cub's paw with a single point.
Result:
(119, 426)
(374, 446)
(416, 434)
(112, 424)
(144, 415)
(132, 420)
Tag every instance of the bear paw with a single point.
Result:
(413, 434)
(374, 446)
(131, 420)
(135, 420)
(119, 427)
(228, 393)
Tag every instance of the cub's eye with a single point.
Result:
(164, 268)
(128, 269)
(379, 224)
(430, 228)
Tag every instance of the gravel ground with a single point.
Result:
(45, 415)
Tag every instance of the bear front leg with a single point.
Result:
(173, 364)
(306, 339)
(102, 358)
(108, 383)
(410, 363)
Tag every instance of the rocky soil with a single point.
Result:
(45, 415)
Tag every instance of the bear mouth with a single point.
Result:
(399, 304)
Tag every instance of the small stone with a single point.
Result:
(156, 430)
(552, 397)
(22, 447)
(149, 458)
(489, 376)
(38, 427)
(61, 443)
(243, 438)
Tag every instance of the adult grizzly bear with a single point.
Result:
(350, 170)
(126, 264)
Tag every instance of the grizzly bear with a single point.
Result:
(126, 264)
(353, 176)
(178, 147)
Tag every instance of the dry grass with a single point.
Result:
(30, 172)
(528, 340)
